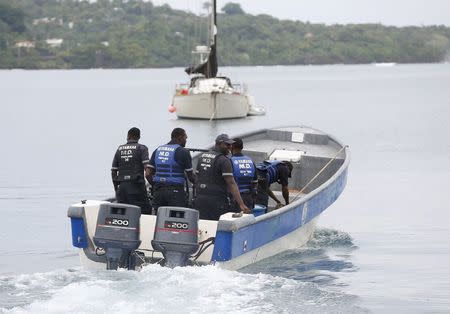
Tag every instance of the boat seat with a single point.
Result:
(307, 136)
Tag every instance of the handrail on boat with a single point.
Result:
(318, 173)
(180, 86)
(248, 220)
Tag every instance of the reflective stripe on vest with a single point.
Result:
(168, 171)
(243, 172)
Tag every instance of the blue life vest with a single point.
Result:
(270, 168)
(168, 171)
(243, 172)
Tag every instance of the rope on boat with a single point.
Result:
(100, 251)
(214, 99)
(203, 248)
(320, 171)
(140, 257)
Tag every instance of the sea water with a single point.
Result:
(382, 247)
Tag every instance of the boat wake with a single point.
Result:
(324, 237)
(163, 290)
(326, 255)
(289, 285)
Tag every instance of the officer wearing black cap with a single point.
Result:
(244, 172)
(269, 172)
(170, 164)
(129, 166)
(215, 182)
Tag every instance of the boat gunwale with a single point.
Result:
(244, 221)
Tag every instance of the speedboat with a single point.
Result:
(208, 96)
(111, 235)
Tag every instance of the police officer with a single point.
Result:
(215, 182)
(269, 172)
(169, 164)
(244, 172)
(129, 166)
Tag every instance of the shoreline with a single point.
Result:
(374, 64)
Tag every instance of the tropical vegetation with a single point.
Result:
(43, 34)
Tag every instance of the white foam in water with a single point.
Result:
(161, 290)
(325, 237)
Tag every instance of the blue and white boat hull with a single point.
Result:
(318, 178)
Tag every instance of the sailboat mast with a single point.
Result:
(212, 60)
(210, 67)
(214, 23)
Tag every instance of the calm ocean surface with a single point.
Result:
(382, 247)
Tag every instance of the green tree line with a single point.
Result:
(42, 34)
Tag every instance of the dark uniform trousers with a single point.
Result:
(134, 193)
(248, 200)
(211, 207)
(262, 196)
(173, 195)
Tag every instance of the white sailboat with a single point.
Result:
(208, 96)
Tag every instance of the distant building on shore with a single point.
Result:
(25, 44)
(54, 42)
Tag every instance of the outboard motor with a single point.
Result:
(176, 234)
(117, 233)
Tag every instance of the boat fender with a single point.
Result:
(172, 109)
(79, 235)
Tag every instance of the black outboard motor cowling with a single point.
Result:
(176, 234)
(117, 233)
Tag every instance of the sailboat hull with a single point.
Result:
(211, 106)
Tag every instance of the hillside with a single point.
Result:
(43, 34)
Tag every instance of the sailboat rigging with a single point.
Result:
(209, 96)
(209, 68)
